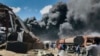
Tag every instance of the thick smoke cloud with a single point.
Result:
(57, 15)
(77, 17)
(53, 19)
(65, 29)
(48, 27)
(83, 16)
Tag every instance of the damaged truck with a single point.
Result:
(14, 34)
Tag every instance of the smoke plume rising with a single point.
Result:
(76, 17)
(83, 16)
(48, 27)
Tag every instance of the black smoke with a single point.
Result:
(77, 17)
(48, 27)
(83, 16)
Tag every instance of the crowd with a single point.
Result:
(78, 50)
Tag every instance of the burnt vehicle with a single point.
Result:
(15, 31)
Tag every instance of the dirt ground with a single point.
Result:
(32, 53)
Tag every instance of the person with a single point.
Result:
(61, 51)
(62, 48)
(94, 49)
(78, 50)
(74, 48)
(47, 45)
(52, 45)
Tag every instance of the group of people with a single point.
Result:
(91, 50)
(50, 45)
(62, 48)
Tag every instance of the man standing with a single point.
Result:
(94, 49)
(62, 49)
(78, 50)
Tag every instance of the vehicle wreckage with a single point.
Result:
(13, 32)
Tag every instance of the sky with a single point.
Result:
(30, 8)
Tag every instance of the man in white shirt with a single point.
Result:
(94, 50)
